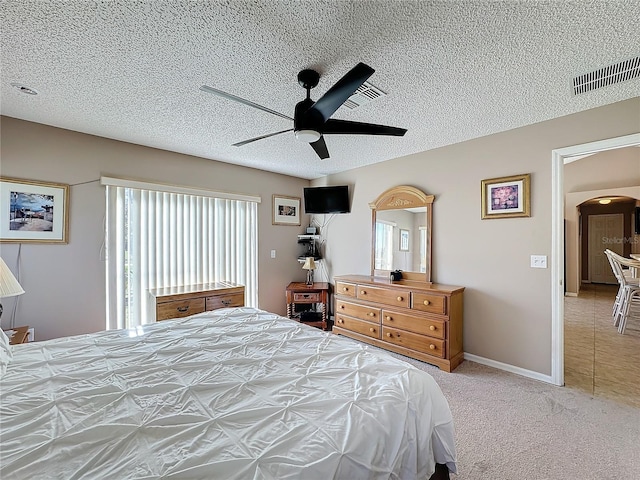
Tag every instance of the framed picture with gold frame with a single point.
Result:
(286, 210)
(506, 197)
(33, 211)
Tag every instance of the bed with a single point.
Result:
(229, 394)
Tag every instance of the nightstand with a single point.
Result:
(299, 293)
(19, 335)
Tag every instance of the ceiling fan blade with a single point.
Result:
(343, 89)
(321, 148)
(228, 96)
(239, 144)
(358, 128)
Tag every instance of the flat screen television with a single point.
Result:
(332, 199)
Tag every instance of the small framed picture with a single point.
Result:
(33, 211)
(286, 210)
(506, 197)
(404, 240)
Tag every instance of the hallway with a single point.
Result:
(598, 360)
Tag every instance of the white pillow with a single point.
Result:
(6, 354)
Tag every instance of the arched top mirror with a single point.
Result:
(401, 233)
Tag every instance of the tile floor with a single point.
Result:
(597, 359)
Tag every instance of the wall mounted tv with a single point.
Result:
(332, 199)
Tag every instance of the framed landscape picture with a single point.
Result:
(506, 197)
(33, 211)
(286, 210)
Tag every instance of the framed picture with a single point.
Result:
(33, 211)
(286, 210)
(506, 197)
(404, 240)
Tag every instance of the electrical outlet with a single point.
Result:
(538, 261)
(273, 254)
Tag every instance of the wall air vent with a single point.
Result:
(620, 72)
(364, 94)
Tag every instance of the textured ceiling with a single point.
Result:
(452, 70)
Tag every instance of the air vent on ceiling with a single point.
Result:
(364, 94)
(617, 73)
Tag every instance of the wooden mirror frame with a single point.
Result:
(399, 198)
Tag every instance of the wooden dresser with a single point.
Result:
(416, 319)
(177, 302)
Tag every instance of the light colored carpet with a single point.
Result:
(509, 427)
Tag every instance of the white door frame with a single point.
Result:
(559, 158)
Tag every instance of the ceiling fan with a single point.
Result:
(311, 120)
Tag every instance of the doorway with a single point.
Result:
(559, 158)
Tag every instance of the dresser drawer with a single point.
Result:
(358, 326)
(414, 323)
(215, 302)
(427, 302)
(362, 312)
(179, 308)
(347, 289)
(383, 295)
(303, 297)
(414, 341)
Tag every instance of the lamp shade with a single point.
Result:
(9, 286)
(309, 264)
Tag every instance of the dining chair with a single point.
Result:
(629, 291)
(618, 301)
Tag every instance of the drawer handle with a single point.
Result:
(364, 292)
(183, 309)
(389, 318)
(426, 302)
(340, 320)
(371, 314)
(226, 302)
(341, 306)
(345, 289)
(372, 330)
(389, 335)
(432, 346)
(432, 328)
(400, 299)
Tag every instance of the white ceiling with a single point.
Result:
(452, 70)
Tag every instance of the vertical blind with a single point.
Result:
(383, 259)
(158, 239)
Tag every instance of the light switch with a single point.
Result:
(538, 261)
(273, 254)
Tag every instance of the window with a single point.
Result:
(160, 236)
(384, 245)
(423, 249)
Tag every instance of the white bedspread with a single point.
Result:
(229, 394)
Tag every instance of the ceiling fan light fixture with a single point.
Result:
(308, 136)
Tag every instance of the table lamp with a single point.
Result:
(9, 286)
(309, 266)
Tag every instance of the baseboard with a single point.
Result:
(509, 368)
(570, 294)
